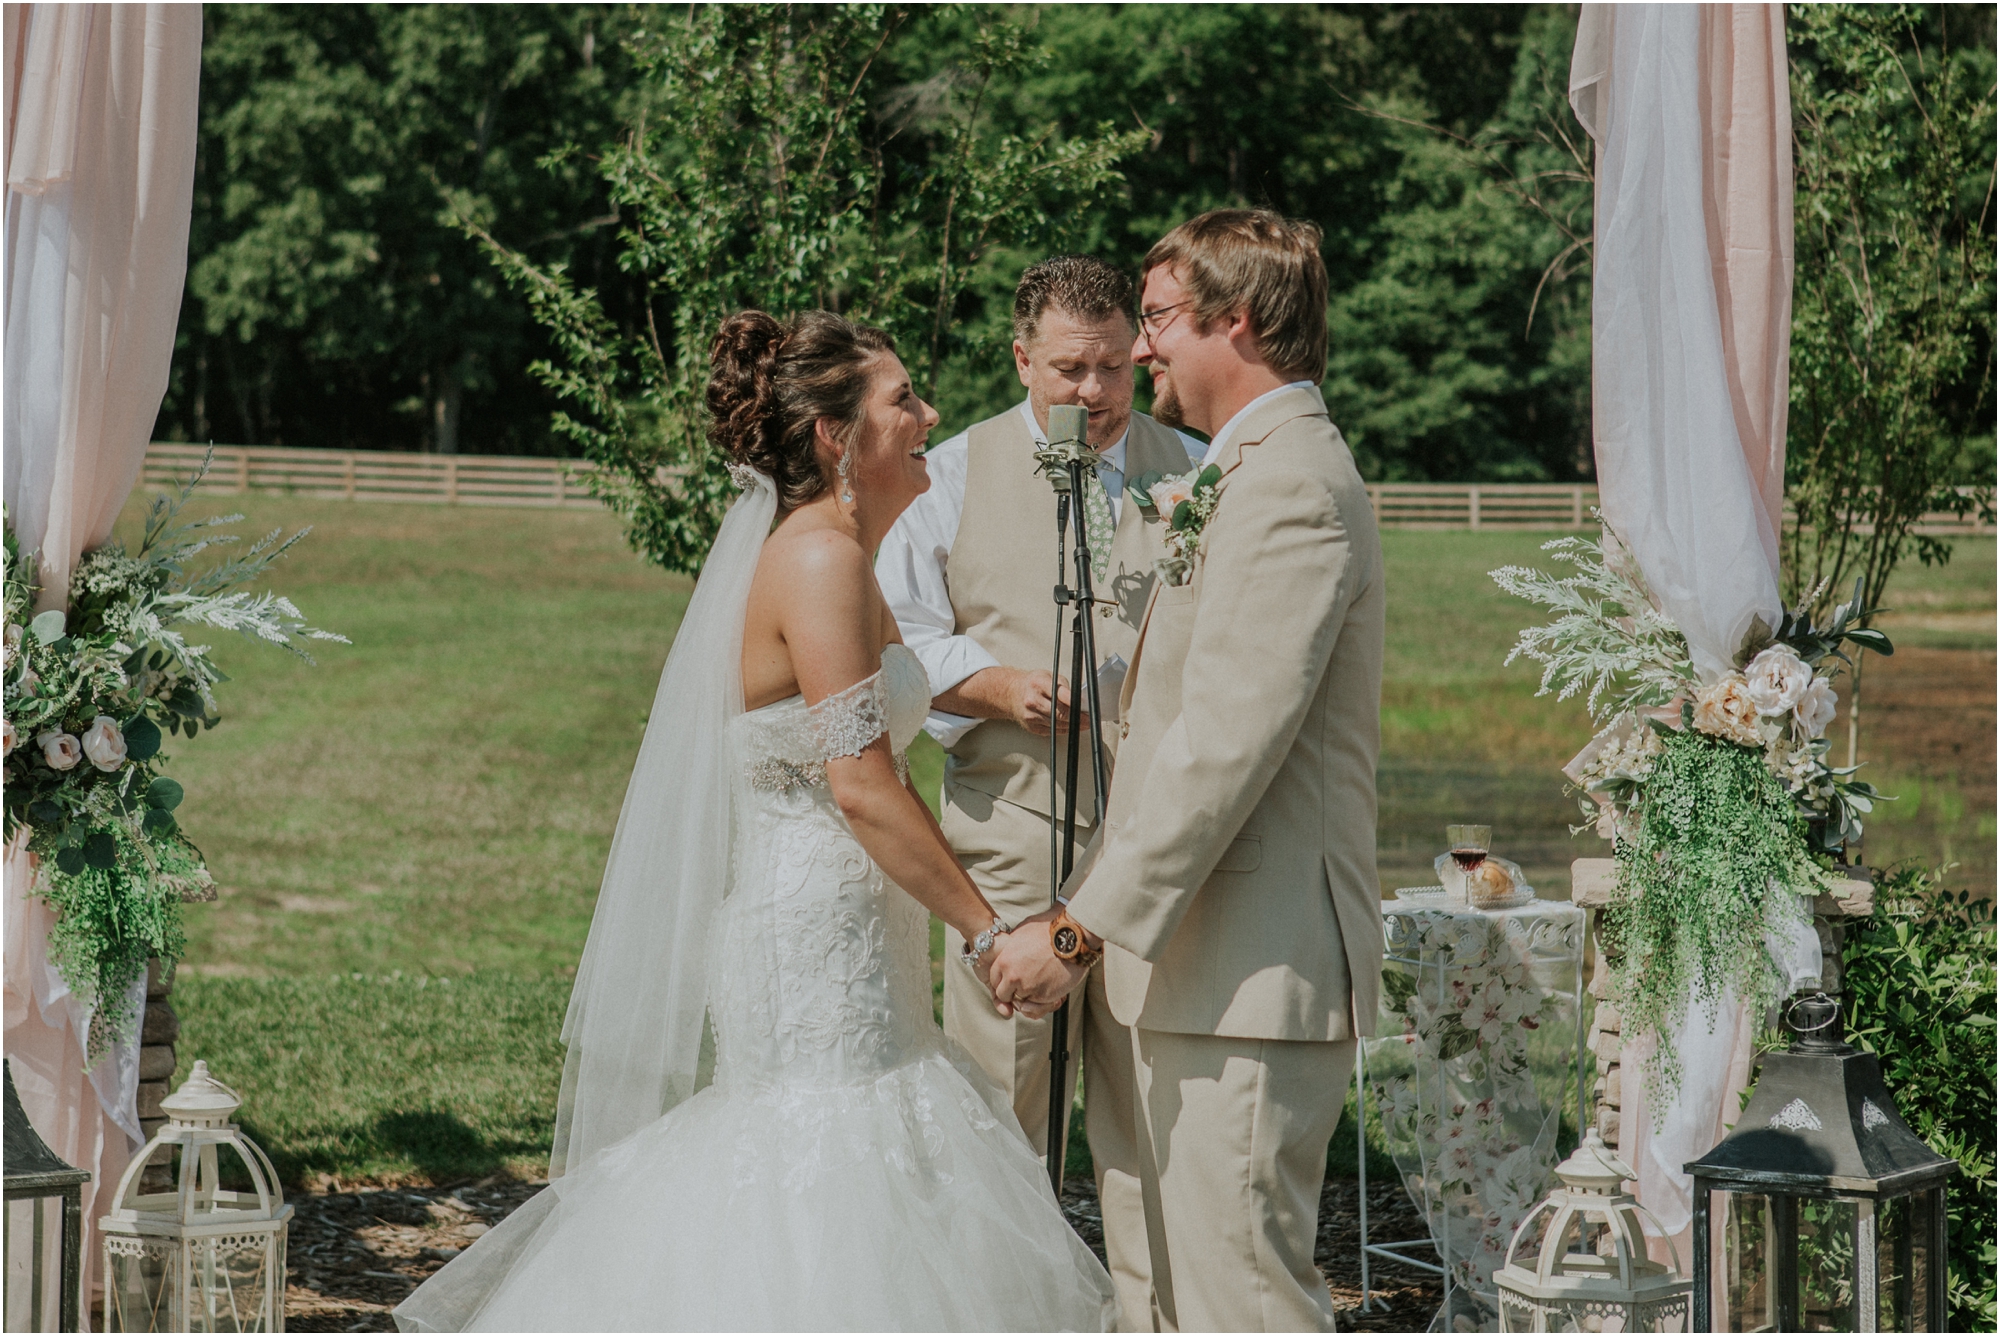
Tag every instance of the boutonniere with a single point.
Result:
(1187, 500)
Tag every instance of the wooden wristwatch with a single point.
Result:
(1069, 942)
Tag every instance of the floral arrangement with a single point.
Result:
(1187, 502)
(91, 696)
(1718, 796)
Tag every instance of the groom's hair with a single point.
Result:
(1077, 285)
(1253, 260)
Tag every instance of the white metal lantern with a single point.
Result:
(200, 1258)
(1608, 1283)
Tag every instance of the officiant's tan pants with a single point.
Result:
(1006, 849)
(1238, 1131)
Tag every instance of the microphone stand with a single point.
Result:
(1064, 460)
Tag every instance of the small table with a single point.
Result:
(1479, 1039)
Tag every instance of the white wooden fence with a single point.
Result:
(514, 480)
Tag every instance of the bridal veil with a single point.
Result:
(636, 1015)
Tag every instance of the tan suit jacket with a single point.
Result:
(1235, 879)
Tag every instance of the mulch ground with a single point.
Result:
(357, 1254)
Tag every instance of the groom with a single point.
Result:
(1233, 889)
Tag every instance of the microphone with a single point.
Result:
(1069, 428)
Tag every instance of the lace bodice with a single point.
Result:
(820, 973)
(786, 745)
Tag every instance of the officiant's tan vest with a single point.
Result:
(1002, 574)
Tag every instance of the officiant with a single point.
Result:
(967, 571)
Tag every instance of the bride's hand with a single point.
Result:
(1026, 975)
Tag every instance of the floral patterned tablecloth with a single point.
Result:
(1474, 1064)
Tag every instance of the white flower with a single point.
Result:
(1777, 679)
(1168, 493)
(1816, 707)
(1726, 711)
(61, 750)
(103, 743)
(8, 727)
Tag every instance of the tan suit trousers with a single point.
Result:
(1239, 1131)
(1005, 848)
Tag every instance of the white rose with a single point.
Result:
(1776, 679)
(1725, 710)
(1816, 707)
(103, 743)
(61, 750)
(7, 726)
(1169, 493)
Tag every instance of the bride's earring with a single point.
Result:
(846, 471)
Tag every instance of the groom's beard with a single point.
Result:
(1167, 408)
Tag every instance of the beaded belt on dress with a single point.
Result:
(774, 775)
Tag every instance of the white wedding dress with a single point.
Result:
(848, 1169)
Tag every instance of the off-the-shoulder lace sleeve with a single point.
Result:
(847, 721)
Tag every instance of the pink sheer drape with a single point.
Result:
(100, 144)
(1691, 114)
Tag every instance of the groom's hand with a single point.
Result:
(1027, 976)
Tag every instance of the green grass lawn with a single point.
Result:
(408, 836)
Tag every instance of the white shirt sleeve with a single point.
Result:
(910, 567)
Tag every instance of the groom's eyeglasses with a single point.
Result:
(1152, 325)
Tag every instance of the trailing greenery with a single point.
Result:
(1718, 844)
(1918, 984)
(91, 695)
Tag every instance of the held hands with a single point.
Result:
(1024, 972)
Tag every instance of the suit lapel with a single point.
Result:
(1273, 414)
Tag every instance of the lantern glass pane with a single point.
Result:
(1902, 1267)
(1829, 1268)
(231, 1277)
(34, 1263)
(139, 1284)
(1745, 1228)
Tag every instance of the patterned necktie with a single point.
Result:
(1097, 524)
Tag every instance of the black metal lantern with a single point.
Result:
(1822, 1210)
(45, 1222)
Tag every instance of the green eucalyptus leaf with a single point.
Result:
(45, 812)
(48, 626)
(164, 793)
(69, 861)
(158, 821)
(1183, 514)
(101, 851)
(1209, 476)
(142, 738)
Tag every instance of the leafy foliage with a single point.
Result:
(1893, 301)
(1918, 985)
(87, 694)
(1607, 639)
(1718, 853)
(755, 171)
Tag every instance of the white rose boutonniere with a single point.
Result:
(1186, 502)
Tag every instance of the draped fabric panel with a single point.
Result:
(1690, 110)
(100, 142)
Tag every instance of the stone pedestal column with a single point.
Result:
(1592, 881)
(157, 1036)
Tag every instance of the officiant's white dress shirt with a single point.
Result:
(911, 565)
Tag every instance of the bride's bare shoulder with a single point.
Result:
(815, 561)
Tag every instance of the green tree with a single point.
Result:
(1892, 327)
(768, 161)
(326, 303)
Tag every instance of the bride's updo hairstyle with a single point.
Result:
(770, 383)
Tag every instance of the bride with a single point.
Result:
(760, 1125)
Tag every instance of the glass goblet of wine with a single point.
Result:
(1469, 846)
